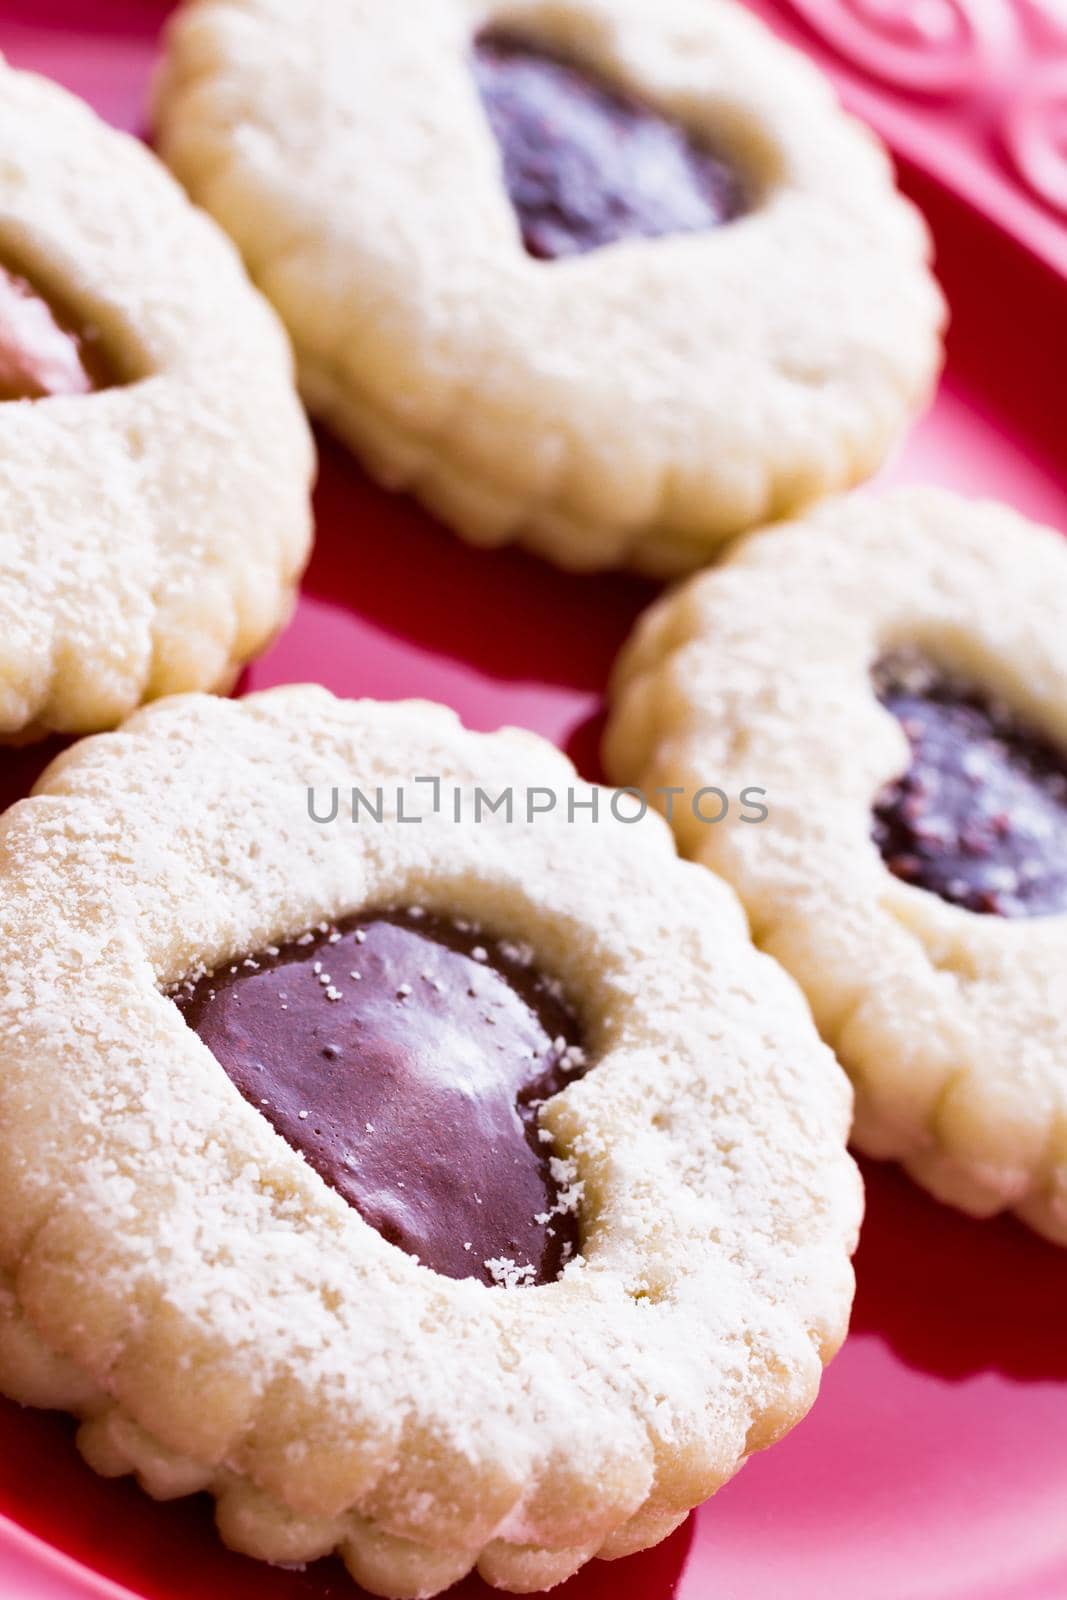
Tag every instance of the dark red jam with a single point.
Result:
(980, 816)
(405, 1055)
(585, 164)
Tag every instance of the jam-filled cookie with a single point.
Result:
(154, 459)
(612, 278)
(892, 673)
(446, 1183)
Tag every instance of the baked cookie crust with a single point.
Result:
(174, 1272)
(951, 1023)
(632, 406)
(153, 531)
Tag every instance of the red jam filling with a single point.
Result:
(585, 164)
(43, 349)
(405, 1055)
(980, 816)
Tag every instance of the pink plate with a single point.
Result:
(934, 1466)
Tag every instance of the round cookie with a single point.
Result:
(612, 279)
(154, 460)
(892, 674)
(196, 926)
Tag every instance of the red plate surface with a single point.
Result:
(934, 1466)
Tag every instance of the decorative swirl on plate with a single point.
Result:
(939, 47)
(1035, 133)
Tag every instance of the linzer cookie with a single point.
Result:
(614, 279)
(449, 1194)
(154, 495)
(893, 672)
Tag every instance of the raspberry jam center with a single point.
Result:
(585, 164)
(405, 1055)
(980, 816)
(43, 348)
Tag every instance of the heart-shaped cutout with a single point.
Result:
(585, 164)
(405, 1056)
